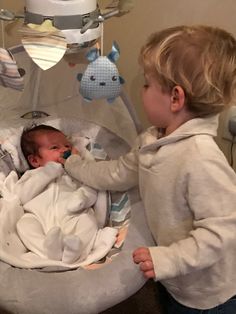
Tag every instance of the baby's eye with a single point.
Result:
(68, 146)
(54, 147)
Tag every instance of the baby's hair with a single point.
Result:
(29, 145)
(200, 59)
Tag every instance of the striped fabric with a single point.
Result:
(9, 74)
(44, 47)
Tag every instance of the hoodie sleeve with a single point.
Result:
(117, 175)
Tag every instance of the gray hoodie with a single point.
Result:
(189, 194)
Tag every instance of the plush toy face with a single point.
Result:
(101, 78)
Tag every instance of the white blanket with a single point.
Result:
(12, 249)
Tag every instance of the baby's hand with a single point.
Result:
(143, 257)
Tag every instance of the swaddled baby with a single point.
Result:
(59, 222)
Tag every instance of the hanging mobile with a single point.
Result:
(101, 79)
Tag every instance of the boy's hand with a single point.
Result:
(73, 151)
(143, 257)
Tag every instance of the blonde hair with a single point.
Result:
(200, 59)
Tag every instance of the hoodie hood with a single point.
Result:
(196, 126)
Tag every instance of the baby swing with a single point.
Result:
(109, 126)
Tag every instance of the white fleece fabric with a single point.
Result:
(59, 227)
(189, 193)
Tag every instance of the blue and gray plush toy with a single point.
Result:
(101, 78)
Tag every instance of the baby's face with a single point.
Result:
(52, 145)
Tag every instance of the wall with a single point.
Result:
(11, 35)
(131, 31)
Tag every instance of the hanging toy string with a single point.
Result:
(3, 33)
(100, 44)
(102, 38)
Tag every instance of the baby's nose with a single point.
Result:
(62, 149)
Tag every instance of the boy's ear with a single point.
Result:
(33, 161)
(177, 98)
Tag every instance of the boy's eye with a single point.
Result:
(145, 82)
(54, 147)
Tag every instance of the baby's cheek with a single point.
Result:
(56, 157)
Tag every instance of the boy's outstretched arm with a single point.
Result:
(118, 175)
(143, 257)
